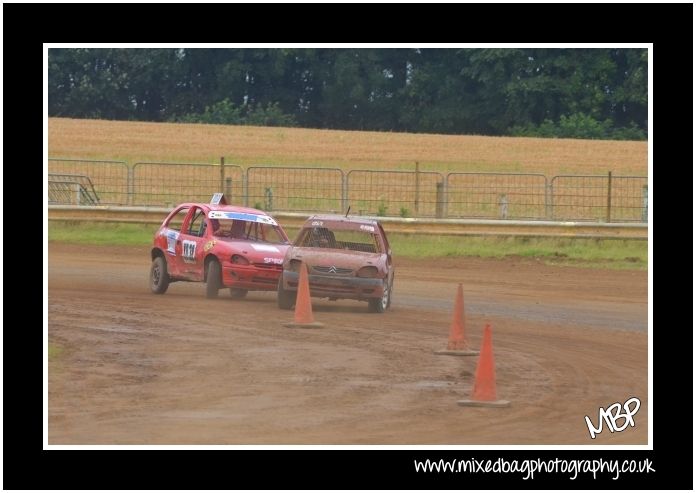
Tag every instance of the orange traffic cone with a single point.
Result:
(483, 393)
(303, 304)
(457, 345)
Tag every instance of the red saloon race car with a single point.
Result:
(346, 258)
(221, 245)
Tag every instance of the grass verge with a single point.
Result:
(615, 254)
(121, 234)
(54, 351)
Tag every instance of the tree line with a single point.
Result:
(552, 92)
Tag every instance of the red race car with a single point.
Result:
(221, 245)
(346, 257)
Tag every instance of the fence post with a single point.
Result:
(417, 189)
(130, 185)
(503, 206)
(344, 193)
(228, 189)
(644, 215)
(609, 199)
(548, 198)
(440, 199)
(222, 173)
(245, 187)
(268, 196)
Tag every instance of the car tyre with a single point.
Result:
(380, 305)
(286, 299)
(159, 278)
(391, 292)
(213, 279)
(237, 293)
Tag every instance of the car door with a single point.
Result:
(189, 251)
(172, 245)
(387, 249)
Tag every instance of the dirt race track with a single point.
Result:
(138, 368)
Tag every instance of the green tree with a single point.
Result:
(599, 92)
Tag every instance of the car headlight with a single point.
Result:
(239, 260)
(294, 265)
(368, 271)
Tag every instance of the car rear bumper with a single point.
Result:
(250, 277)
(354, 288)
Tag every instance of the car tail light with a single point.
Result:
(238, 259)
(368, 271)
(294, 265)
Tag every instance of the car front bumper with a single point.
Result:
(250, 277)
(338, 287)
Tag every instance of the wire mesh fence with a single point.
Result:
(603, 198)
(66, 188)
(629, 199)
(496, 195)
(108, 180)
(395, 193)
(295, 189)
(168, 184)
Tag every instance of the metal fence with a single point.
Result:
(109, 179)
(66, 188)
(603, 198)
(168, 184)
(497, 195)
(295, 189)
(394, 193)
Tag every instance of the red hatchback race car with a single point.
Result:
(221, 245)
(346, 257)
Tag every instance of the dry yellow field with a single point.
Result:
(177, 142)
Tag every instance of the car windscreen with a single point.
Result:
(358, 240)
(247, 230)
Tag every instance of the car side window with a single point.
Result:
(177, 219)
(384, 238)
(197, 224)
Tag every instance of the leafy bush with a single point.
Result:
(270, 116)
(579, 126)
(632, 132)
(404, 212)
(382, 209)
(225, 112)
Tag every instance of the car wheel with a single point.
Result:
(391, 292)
(380, 305)
(159, 278)
(237, 293)
(213, 279)
(286, 299)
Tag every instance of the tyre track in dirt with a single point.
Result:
(179, 368)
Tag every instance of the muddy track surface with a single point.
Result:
(139, 368)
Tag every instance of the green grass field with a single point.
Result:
(614, 254)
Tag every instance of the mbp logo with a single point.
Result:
(613, 414)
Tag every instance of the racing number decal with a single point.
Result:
(189, 252)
